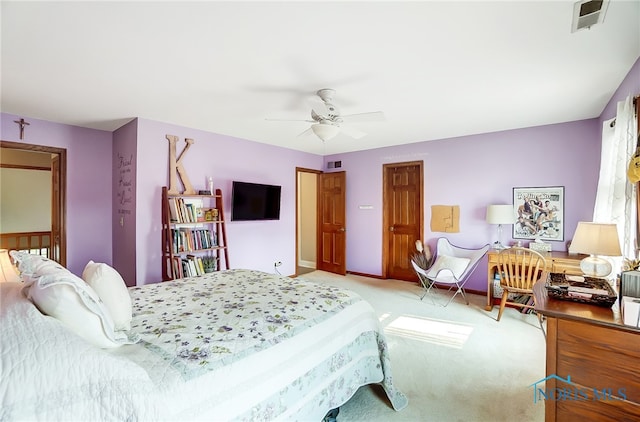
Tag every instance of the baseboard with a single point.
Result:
(476, 292)
(366, 275)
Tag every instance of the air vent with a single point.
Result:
(588, 13)
(334, 164)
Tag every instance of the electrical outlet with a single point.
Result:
(277, 263)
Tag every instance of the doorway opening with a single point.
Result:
(57, 239)
(321, 209)
(306, 220)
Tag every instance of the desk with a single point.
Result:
(601, 355)
(558, 262)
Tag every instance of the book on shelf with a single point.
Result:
(192, 239)
(181, 211)
(176, 265)
(186, 268)
(195, 265)
(176, 207)
(200, 265)
(190, 213)
(173, 210)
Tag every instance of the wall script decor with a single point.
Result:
(539, 213)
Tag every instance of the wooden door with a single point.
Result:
(402, 217)
(332, 245)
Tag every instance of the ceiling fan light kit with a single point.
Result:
(328, 122)
(325, 131)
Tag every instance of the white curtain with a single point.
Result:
(616, 196)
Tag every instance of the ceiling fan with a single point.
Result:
(327, 120)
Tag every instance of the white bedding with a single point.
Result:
(232, 345)
(50, 373)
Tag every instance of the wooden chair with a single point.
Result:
(520, 269)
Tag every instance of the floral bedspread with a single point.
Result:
(217, 323)
(201, 323)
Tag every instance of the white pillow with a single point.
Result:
(35, 265)
(110, 287)
(66, 297)
(452, 263)
(62, 295)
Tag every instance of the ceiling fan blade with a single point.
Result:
(374, 116)
(289, 120)
(305, 133)
(354, 133)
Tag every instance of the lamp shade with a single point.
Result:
(500, 214)
(325, 131)
(596, 239)
(8, 271)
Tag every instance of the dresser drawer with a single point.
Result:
(600, 358)
(589, 410)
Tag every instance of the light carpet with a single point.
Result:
(454, 363)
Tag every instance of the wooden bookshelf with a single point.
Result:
(193, 233)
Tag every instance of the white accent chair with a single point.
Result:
(452, 267)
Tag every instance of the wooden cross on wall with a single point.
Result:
(22, 124)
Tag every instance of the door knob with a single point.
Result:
(341, 229)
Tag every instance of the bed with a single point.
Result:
(233, 345)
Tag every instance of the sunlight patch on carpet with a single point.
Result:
(444, 333)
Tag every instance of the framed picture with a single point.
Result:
(539, 213)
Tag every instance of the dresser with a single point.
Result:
(558, 262)
(592, 360)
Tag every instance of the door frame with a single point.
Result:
(385, 215)
(297, 233)
(62, 188)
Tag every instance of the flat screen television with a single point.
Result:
(254, 201)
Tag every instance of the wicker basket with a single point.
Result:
(594, 291)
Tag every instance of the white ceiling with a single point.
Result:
(437, 69)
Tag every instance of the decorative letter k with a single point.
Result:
(177, 169)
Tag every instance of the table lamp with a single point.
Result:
(500, 214)
(8, 272)
(596, 239)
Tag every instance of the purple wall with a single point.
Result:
(255, 245)
(124, 216)
(473, 172)
(88, 184)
